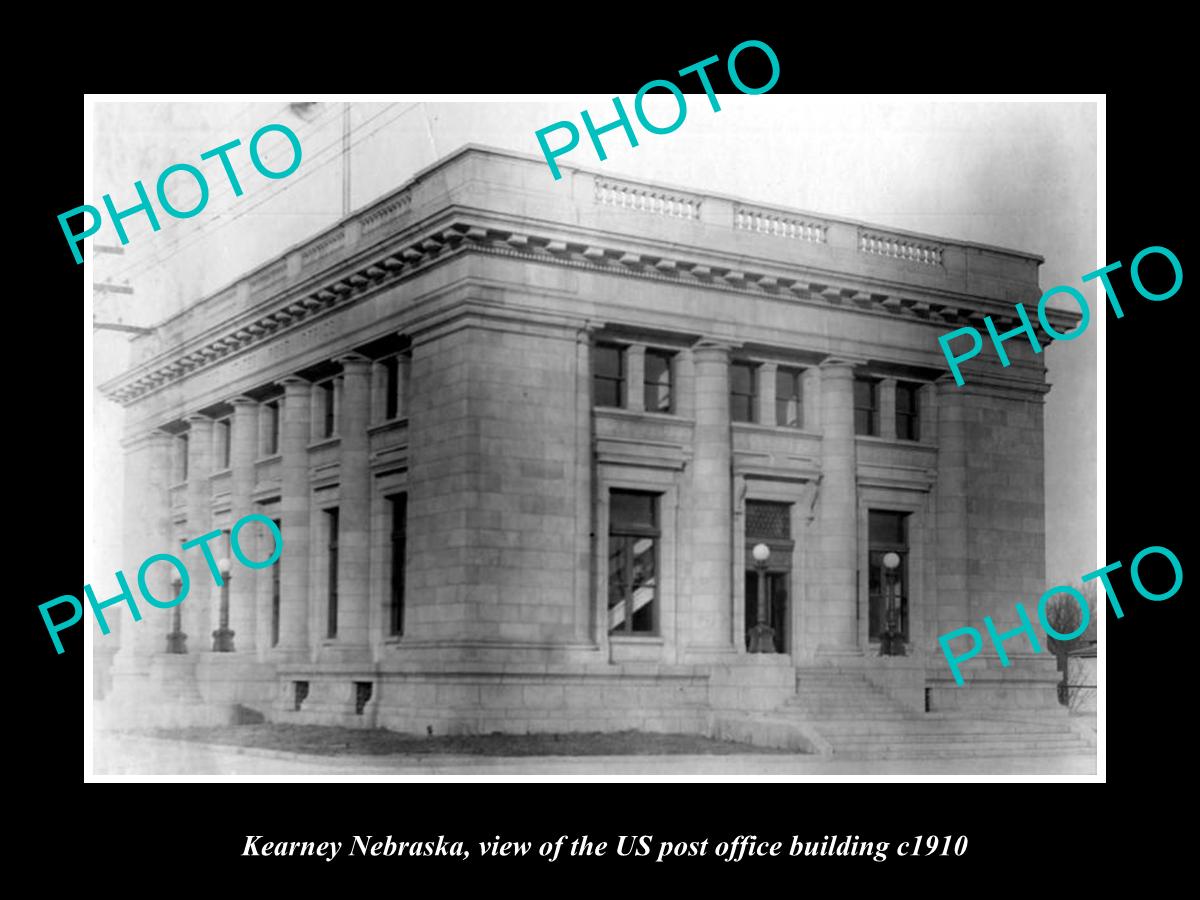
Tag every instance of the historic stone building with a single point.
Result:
(523, 436)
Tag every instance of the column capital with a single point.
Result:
(712, 348)
(197, 419)
(831, 363)
(353, 361)
(242, 401)
(294, 384)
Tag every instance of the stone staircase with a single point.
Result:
(857, 719)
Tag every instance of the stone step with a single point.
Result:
(962, 754)
(966, 750)
(934, 740)
(916, 723)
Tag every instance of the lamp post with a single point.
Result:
(223, 637)
(176, 639)
(891, 642)
(762, 635)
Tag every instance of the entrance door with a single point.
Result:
(777, 606)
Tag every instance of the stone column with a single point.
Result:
(242, 445)
(766, 393)
(635, 378)
(837, 600)
(354, 510)
(294, 508)
(951, 499)
(887, 408)
(199, 610)
(146, 532)
(711, 614)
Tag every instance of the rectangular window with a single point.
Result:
(866, 406)
(331, 526)
(887, 587)
(224, 437)
(789, 398)
(608, 375)
(275, 595)
(328, 397)
(271, 428)
(743, 391)
(399, 504)
(658, 381)
(908, 425)
(182, 467)
(391, 405)
(632, 562)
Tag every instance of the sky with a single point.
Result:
(1019, 175)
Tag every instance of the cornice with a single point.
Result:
(384, 265)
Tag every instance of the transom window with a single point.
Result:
(633, 538)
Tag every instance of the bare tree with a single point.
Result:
(1064, 615)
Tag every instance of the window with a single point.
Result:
(743, 383)
(399, 503)
(608, 378)
(866, 406)
(271, 428)
(632, 562)
(391, 405)
(658, 381)
(331, 527)
(224, 434)
(789, 398)
(888, 533)
(182, 465)
(908, 424)
(328, 403)
(275, 595)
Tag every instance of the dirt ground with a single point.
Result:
(333, 741)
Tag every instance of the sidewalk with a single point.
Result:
(124, 755)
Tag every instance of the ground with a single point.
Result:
(330, 741)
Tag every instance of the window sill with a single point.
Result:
(267, 459)
(776, 429)
(895, 442)
(387, 424)
(640, 414)
(645, 639)
(325, 442)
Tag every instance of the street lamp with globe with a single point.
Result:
(891, 642)
(223, 636)
(762, 635)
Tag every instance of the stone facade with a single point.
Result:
(416, 389)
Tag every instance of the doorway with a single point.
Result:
(776, 586)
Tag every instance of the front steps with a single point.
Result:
(856, 719)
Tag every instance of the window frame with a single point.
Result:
(912, 416)
(332, 527)
(636, 531)
(621, 378)
(391, 388)
(274, 423)
(753, 369)
(872, 410)
(878, 549)
(796, 377)
(224, 430)
(328, 393)
(668, 357)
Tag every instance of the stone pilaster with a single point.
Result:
(766, 393)
(711, 614)
(242, 618)
(887, 408)
(294, 506)
(810, 384)
(951, 499)
(927, 407)
(635, 378)
(354, 513)
(835, 621)
(200, 609)
(403, 378)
